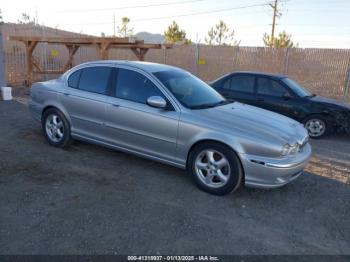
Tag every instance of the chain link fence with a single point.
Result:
(322, 71)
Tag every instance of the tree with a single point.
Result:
(1, 19)
(283, 40)
(175, 35)
(124, 30)
(221, 35)
(103, 34)
(26, 19)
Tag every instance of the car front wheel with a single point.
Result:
(215, 168)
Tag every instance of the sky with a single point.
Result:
(312, 23)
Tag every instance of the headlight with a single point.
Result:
(287, 149)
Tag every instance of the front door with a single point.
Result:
(274, 96)
(133, 124)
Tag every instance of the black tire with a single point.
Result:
(66, 138)
(316, 118)
(236, 171)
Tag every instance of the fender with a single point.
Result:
(55, 103)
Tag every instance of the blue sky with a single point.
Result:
(312, 23)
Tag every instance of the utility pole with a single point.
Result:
(274, 7)
(36, 16)
(114, 25)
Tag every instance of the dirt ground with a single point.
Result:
(92, 200)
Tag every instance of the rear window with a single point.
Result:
(73, 79)
(95, 79)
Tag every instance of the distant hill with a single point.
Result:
(150, 38)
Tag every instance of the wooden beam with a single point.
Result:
(55, 72)
(136, 52)
(77, 40)
(115, 42)
(148, 46)
(138, 47)
(36, 64)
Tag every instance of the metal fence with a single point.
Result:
(322, 71)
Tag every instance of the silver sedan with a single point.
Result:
(166, 114)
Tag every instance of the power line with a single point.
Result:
(181, 15)
(130, 7)
(201, 13)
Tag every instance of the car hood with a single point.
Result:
(253, 121)
(329, 101)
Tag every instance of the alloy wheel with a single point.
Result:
(212, 168)
(54, 128)
(316, 127)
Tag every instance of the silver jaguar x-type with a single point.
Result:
(166, 114)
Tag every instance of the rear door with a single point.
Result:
(239, 87)
(85, 100)
(133, 124)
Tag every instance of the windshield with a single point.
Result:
(189, 90)
(298, 89)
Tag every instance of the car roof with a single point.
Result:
(145, 66)
(261, 74)
(254, 73)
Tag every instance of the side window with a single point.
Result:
(227, 83)
(73, 79)
(242, 83)
(95, 79)
(135, 87)
(267, 86)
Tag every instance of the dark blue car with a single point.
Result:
(280, 94)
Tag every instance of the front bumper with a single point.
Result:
(261, 172)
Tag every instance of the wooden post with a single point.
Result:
(103, 49)
(286, 61)
(347, 82)
(143, 52)
(30, 45)
(140, 53)
(72, 49)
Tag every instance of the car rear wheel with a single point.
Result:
(316, 126)
(56, 128)
(215, 168)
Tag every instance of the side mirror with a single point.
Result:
(156, 101)
(287, 96)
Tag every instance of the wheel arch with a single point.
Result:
(325, 114)
(57, 107)
(213, 140)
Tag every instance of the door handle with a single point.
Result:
(66, 94)
(115, 105)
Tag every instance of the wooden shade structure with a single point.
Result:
(103, 44)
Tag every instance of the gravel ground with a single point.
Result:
(92, 200)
